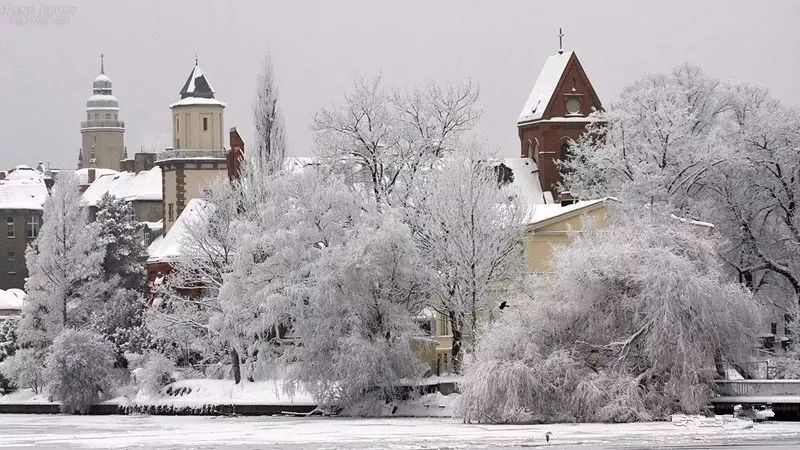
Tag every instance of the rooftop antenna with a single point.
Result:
(102, 66)
(560, 41)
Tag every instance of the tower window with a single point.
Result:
(205, 123)
(108, 116)
(177, 125)
(9, 227)
(171, 212)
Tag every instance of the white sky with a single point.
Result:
(319, 47)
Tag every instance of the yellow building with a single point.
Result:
(198, 156)
(549, 226)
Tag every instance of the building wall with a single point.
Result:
(543, 142)
(541, 242)
(15, 277)
(187, 127)
(147, 210)
(184, 180)
(109, 148)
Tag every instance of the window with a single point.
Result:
(573, 106)
(32, 227)
(96, 116)
(773, 328)
(177, 125)
(205, 123)
(108, 116)
(171, 212)
(9, 227)
(131, 214)
(12, 262)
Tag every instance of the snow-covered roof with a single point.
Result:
(197, 101)
(129, 186)
(545, 86)
(83, 174)
(11, 299)
(23, 172)
(541, 213)
(168, 248)
(525, 178)
(197, 85)
(22, 193)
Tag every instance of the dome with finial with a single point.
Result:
(101, 91)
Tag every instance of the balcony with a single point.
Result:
(190, 154)
(103, 124)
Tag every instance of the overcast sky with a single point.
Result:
(319, 47)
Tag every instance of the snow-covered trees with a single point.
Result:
(268, 120)
(470, 233)
(64, 263)
(124, 251)
(386, 140)
(628, 327)
(357, 331)
(719, 152)
(78, 369)
(188, 298)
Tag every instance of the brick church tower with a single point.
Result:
(555, 113)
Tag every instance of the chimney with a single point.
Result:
(235, 155)
(566, 198)
(2, 175)
(91, 174)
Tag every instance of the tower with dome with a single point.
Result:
(102, 133)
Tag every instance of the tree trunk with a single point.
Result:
(456, 325)
(235, 367)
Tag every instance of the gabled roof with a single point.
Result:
(545, 86)
(169, 247)
(551, 78)
(197, 85)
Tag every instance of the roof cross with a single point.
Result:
(560, 41)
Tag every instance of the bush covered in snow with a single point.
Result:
(153, 371)
(79, 369)
(628, 327)
(786, 367)
(25, 369)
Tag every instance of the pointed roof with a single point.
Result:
(197, 85)
(545, 86)
(550, 78)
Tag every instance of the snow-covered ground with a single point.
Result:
(314, 432)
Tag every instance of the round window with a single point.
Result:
(573, 105)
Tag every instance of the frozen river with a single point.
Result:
(60, 431)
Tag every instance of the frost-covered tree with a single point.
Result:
(385, 140)
(25, 369)
(187, 299)
(278, 238)
(355, 320)
(64, 263)
(469, 232)
(630, 325)
(8, 345)
(270, 149)
(124, 251)
(719, 152)
(79, 370)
